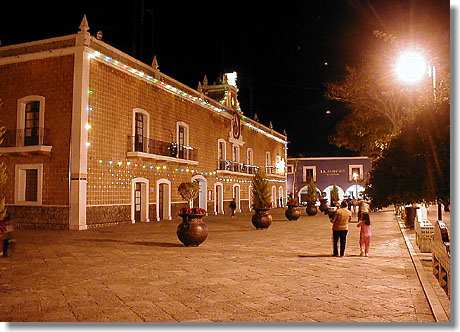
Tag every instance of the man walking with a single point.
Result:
(340, 228)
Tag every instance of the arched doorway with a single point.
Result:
(302, 195)
(354, 191)
(139, 200)
(237, 196)
(280, 197)
(163, 200)
(202, 200)
(328, 189)
(218, 198)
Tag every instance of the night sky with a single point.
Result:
(284, 51)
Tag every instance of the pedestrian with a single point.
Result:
(233, 206)
(363, 208)
(340, 228)
(364, 234)
(349, 203)
(6, 236)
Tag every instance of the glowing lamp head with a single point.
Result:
(410, 67)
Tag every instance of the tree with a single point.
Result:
(378, 105)
(415, 168)
(261, 196)
(311, 192)
(189, 191)
(334, 195)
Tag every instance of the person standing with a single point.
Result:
(364, 234)
(233, 206)
(340, 229)
(363, 208)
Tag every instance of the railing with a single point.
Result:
(24, 137)
(162, 148)
(233, 166)
(269, 169)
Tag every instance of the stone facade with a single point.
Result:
(86, 83)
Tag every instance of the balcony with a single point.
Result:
(25, 141)
(149, 148)
(225, 166)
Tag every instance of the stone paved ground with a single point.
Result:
(140, 273)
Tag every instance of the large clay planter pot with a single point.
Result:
(193, 230)
(261, 219)
(292, 213)
(311, 210)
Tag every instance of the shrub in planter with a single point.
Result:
(193, 230)
(292, 212)
(261, 198)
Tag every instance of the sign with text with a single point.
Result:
(331, 172)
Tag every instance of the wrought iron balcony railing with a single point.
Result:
(24, 137)
(233, 166)
(162, 148)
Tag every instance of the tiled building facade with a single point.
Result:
(95, 137)
(348, 174)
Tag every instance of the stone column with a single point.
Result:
(79, 134)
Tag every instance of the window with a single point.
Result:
(236, 153)
(249, 157)
(355, 169)
(28, 184)
(182, 134)
(140, 131)
(221, 149)
(290, 169)
(268, 159)
(268, 162)
(30, 121)
(309, 173)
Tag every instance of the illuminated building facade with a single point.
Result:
(96, 137)
(348, 174)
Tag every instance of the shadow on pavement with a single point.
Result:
(140, 243)
(324, 255)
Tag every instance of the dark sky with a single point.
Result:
(279, 48)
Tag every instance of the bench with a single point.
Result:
(440, 249)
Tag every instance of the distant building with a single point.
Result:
(349, 174)
(96, 137)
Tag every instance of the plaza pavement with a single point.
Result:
(141, 273)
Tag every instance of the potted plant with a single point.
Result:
(323, 203)
(334, 196)
(193, 230)
(292, 212)
(261, 198)
(311, 199)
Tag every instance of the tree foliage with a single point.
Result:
(415, 167)
(334, 194)
(311, 192)
(189, 190)
(379, 106)
(261, 195)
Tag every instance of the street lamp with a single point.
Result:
(410, 68)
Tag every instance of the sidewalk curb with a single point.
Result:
(433, 301)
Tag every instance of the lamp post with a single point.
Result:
(411, 67)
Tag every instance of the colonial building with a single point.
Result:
(348, 174)
(96, 137)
